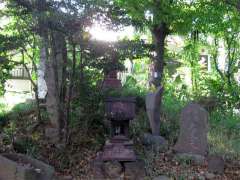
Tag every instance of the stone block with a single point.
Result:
(134, 170)
(156, 143)
(21, 167)
(216, 164)
(112, 169)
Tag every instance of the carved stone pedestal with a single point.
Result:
(119, 149)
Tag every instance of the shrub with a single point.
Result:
(224, 133)
(171, 109)
(3, 112)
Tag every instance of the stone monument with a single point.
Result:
(153, 101)
(193, 131)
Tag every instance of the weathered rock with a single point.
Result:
(193, 131)
(209, 175)
(153, 110)
(201, 177)
(134, 170)
(21, 167)
(156, 143)
(216, 164)
(162, 178)
(190, 158)
(112, 169)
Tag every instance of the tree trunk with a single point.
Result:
(60, 68)
(154, 100)
(52, 98)
(159, 34)
(70, 92)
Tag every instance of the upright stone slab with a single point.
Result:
(193, 131)
(153, 110)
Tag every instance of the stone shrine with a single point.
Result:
(118, 159)
(119, 111)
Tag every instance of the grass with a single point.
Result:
(224, 134)
(22, 107)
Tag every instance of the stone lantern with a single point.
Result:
(118, 155)
(119, 111)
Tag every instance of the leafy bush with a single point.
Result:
(3, 112)
(171, 108)
(23, 107)
(140, 124)
(224, 133)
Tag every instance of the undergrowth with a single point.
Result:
(224, 133)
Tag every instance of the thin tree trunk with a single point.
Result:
(63, 89)
(35, 87)
(70, 92)
(215, 55)
(81, 66)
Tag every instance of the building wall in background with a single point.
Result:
(18, 85)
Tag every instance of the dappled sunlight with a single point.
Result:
(11, 99)
(99, 32)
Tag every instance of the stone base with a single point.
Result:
(134, 170)
(118, 161)
(21, 167)
(113, 83)
(118, 148)
(156, 143)
(118, 170)
(191, 158)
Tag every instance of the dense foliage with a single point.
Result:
(53, 37)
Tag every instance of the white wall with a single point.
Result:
(18, 85)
